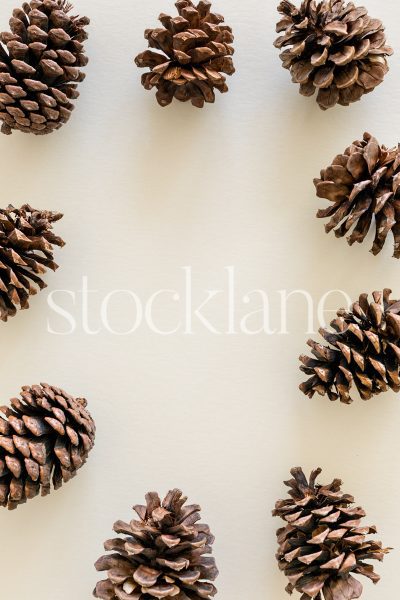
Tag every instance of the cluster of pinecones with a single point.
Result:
(336, 50)
(42, 56)
(164, 553)
(332, 49)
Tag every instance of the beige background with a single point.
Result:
(146, 191)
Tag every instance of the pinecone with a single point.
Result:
(162, 555)
(196, 51)
(363, 349)
(324, 542)
(363, 185)
(26, 251)
(40, 63)
(46, 437)
(334, 47)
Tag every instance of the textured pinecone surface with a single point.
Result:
(193, 51)
(362, 185)
(334, 48)
(324, 542)
(161, 555)
(40, 66)
(363, 348)
(26, 252)
(45, 438)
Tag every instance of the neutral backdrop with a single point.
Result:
(146, 191)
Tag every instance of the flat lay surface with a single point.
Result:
(192, 276)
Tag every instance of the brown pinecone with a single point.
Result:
(26, 251)
(324, 541)
(161, 555)
(195, 52)
(334, 47)
(46, 437)
(40, 61)
(363, 349)
(363, 185)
